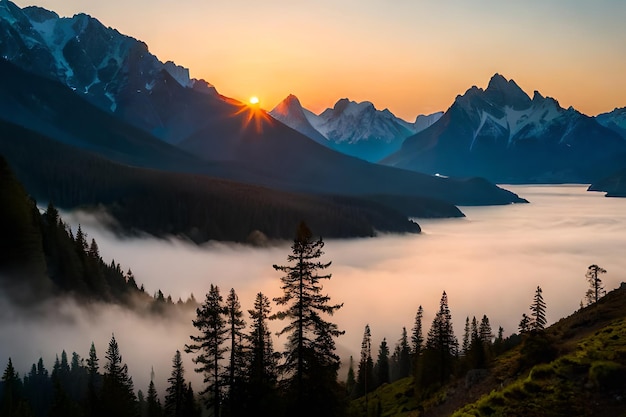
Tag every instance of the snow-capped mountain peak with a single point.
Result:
(357, 129)
(504, 135)
(290, 112)
(351, 122)
(88, 57)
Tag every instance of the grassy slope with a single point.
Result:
(587, 377)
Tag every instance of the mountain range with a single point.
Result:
(506, 136)
(110, 102)
(499, 133)
(356, 129)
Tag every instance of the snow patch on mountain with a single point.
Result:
(180, 74)
(83, 54)
(351, 122)
(423, 122)
(614, 120)
(290, 112)
(533, 120)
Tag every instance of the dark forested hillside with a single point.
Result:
(165, 203)
(40, 256)
(22, 261)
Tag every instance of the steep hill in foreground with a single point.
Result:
(584, 374)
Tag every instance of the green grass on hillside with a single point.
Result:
(591, 377)
(577, 368)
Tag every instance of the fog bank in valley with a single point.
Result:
(488, 263)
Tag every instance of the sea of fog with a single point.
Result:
(488, 263)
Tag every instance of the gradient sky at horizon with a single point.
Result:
(410, 56)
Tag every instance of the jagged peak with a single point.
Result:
(292, 99)
(498, 82)
(39, 14)
(503, 92)
(289, 105)
(497, 79)
(345, 104)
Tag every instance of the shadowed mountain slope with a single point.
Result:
(500, 133)
(196, 206)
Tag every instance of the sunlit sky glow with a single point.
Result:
(410, 56)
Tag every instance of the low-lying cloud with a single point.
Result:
(488, 263)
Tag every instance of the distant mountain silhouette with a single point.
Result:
(502, 134)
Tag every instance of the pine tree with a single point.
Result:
(441, 342)
(311, 364)
(94, 251)
(365, 373)
(484, 331)
(191, 409)
(262, 370)
(11, 400)
(382, 364)
(209, 346)
(404, 359)
(175, 392)
(595, 283)
(350, 379)
(466, 337)
(38, 389)
(235, 325)
(417, 339)
(524, 324)
(538, 312)
(498, 344)
(94, 382)
(118, 396)
(476, 357)
(79, 378)
(153, 405)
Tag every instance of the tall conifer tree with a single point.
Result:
(235, 325)
(417, 338)
(175, 392)
(118, 396)
(538, 311)
(382, 364)
(262, 370)
(365, 374)
(153, 404)
(209, 346)
(595, 283)
(441, 342)
(311, 364)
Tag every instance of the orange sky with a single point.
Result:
(411, 56)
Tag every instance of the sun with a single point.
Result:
(254, 100)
